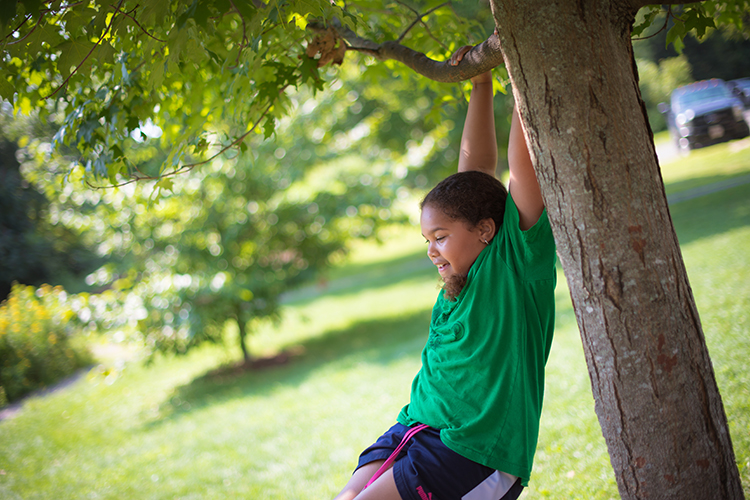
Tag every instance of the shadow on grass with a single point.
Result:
(712, 214)
(377, 341)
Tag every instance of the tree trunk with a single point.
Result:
(242, 328)
(575, 82)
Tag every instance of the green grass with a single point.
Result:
(294, 431)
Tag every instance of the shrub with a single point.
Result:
(40, 339)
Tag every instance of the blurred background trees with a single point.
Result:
(33, 250)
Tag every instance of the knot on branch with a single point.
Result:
(329, 45)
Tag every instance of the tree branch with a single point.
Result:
(127, 14)
(25, 19)
(637, 4)
(481, 58)
(418, 19)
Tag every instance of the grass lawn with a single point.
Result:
(294, 431)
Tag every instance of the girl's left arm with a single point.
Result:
(523, 185)
(479, 147)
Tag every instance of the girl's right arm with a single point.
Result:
(478, 141)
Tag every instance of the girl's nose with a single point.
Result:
(431, 252)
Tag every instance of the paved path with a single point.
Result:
(667, 152)
(715, 187)
(12, 409)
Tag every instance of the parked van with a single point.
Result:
(704, 113)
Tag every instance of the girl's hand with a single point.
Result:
(458, 56)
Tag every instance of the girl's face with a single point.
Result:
(452, 245)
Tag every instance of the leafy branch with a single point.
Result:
(42, 13)
(664, 27)
(188, 167)
(97, 44)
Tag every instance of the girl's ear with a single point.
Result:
(486, 229)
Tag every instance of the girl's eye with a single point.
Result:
(440, 238)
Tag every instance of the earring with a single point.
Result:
(486, 242)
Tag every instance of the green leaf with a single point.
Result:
(74, 21)
(697, 21)
(72, 54)
(189, 13)
(6, 89)
(132, 123)
(86, 130)
(647, 21)
(202, 14)
(676, 34)
(156, 77)
(154, 13)
(113, 169)
(165, 183)
(100, 167)
(269, 125)
(45, 34)
(309, 72)
(678, 45)
(246, 8)
(200, 146)
(116, 152)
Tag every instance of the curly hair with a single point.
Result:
(470, 196)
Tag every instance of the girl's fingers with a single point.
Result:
(458, 55)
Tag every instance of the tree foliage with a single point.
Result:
(208, 74)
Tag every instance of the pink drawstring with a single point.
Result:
(395, 453)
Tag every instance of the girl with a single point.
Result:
(471, 426)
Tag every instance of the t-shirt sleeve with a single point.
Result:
(533, 250)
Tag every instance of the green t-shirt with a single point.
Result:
(482, 376)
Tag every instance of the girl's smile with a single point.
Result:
(453, 245)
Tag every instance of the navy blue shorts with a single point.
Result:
(427, 469)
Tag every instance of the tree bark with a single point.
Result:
(575, 83)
